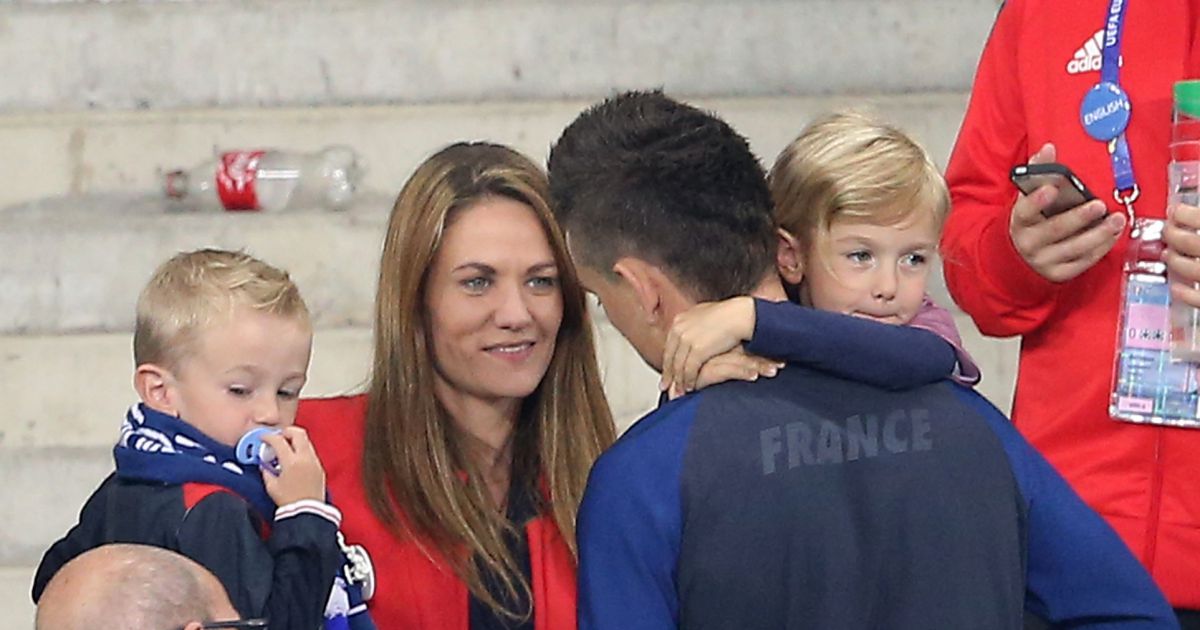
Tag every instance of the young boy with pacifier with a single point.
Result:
(859, 207)
(208, 463)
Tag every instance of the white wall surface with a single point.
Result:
(98, 97)
(156, 55)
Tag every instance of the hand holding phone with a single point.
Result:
(1071, 190)
(1059, 234)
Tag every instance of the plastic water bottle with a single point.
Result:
(1183, 178)
(269, 181)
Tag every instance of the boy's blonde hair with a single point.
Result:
(195, 289)
(849, 166)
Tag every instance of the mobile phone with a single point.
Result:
(1071, 190)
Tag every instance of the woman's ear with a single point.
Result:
(154, 386)
(789, 257)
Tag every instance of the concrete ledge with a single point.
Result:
(102, 152)
(69, 393)
(43, 492)
(75, 261)
(15, 583)
(73, 390)
(158, 55)
(77, 265)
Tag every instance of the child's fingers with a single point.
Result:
(691, 370)
(298, 438)
(283, 448)
(767, 367)
(271, 482)
(683, 357)
(721, 369)
(277, 441)
(697, 361)
(670, 349)
(735, 365)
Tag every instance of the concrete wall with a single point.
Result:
(75, 264)
(155, 55)
(61, 273)
(100, 97)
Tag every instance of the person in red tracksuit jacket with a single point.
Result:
(1056, 282)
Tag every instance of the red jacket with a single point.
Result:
(1035, 69)
(413, 591)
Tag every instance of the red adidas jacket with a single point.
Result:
(413, 591)
(1040, 60)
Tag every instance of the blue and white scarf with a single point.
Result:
(158, 447)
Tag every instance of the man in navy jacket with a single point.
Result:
(806, 500)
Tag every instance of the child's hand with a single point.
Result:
(733, 365)
(302, 476)
(701, 333)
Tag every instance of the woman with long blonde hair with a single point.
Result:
(462, 467)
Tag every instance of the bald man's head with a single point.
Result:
(131, 587)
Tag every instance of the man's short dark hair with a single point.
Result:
(641, 174)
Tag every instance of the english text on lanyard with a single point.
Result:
(1106, 110)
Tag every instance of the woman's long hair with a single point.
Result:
(419, 478)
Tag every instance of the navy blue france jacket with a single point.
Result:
(810, 501)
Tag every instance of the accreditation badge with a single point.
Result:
(1148, 386)
(1105, 111)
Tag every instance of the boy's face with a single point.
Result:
(243, 373)
(874, 271)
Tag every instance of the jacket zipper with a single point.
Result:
(1156, 477)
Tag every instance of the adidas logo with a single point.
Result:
(1087, 58)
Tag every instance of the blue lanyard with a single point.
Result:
(1110, 66)
(1106, 109)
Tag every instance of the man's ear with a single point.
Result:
(154, 386)
(640, 277)
(194, 625)
(789, 257)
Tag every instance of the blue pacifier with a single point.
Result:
(251, 450)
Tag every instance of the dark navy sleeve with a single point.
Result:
(286, 578)
(630, 525)
(883, 355)
(1080, 574)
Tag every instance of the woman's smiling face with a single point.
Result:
(493, 302)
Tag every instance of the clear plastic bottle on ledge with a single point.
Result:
(269, 181)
